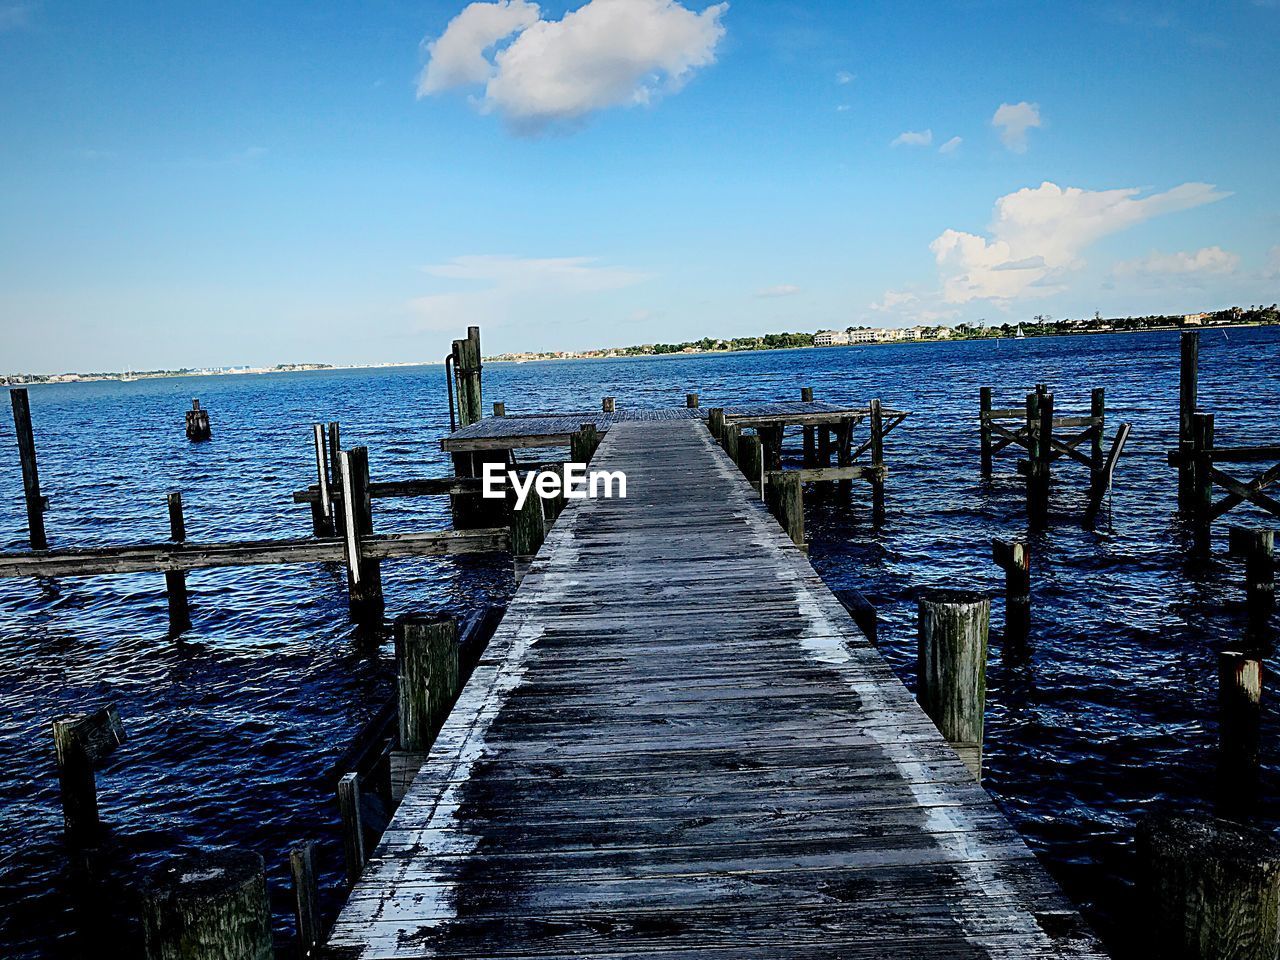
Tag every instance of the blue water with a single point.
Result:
(233, 728)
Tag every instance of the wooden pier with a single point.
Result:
(678, 743)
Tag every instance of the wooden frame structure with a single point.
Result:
(1199, 462)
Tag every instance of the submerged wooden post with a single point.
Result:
(952, 667)
(321, 509)
(810, 435)
(499, 409)
(306, 898)
(844, 454)
(208, 906)
(1212, 888)
(984, 429)
(1201, 503)
(691, 401)
(352, 825)
(1040, 431)
(1097, 413)
(1239, 716)
(81, 742)
(175, 581)
(1103, 482)
(608, 405)
(427, 657)
(787, 501)
(1257, 547)
(198, 423)
(1188, 403)
(364, 576)
(877, 462)
(36, 503)
(1015, 560)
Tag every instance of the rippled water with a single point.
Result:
(233, 729)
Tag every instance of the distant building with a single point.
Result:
(830, 338)
(1194, 319)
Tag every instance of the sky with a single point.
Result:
(189, 185)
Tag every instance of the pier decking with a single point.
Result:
(679, 744)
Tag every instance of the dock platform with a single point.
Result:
(678, 744)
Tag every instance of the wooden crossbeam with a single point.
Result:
(1067, 448)
(166, 557)
(824, 474)
(1231, 455)
(1239, 492)
(1103, 483)
(1009, 437)
(892, 419)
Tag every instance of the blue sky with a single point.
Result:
(260, 183)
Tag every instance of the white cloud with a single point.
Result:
(844, 77)
(913, 138)
(1207, 260)
(952, 145)
(498, 289)
(782, 290)
(607, 53)
(1014, 120)
(1037, 234)
(893, 299)
(458, 56)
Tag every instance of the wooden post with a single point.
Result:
(844, 454)
(81, 742)
(770, 446)
(1015, 560)
(787, 502)
(1188, 401)
(732, 441)
(715, 422)
(751, 458)
(306, 896)
(583, 443)
(364, 577)
(175, 581)
(208, 906)
(499, 409)
(322, 509)
(608, 405)
(1103, 483)
(1212, 888)
(1098, 413)
(36, 504)
(810, 435)
(528, 530)
(352, 825)
(984, 429)
(198, 429)
(1239, 714)
(691, 401)
(824, 445)
(1201, 481)
(427, 657)
(1257, 547)
(952, 667)
(1037, 465)
(877, 462)
(467, 373)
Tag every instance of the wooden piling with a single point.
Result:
(306, 897)
(352, 825)
(952, 667)
(1098, 414)
(751, 459)
(1015, 560)
(198, 429)
(1201, 502)
(583, 443)
(1257, 547)
(732, 440)
(36, 503)
(1188, 400)
(691, 401)
(364, 576)
(528, 530)
(1239, 715)
(844, 453)
(984, 429)
(81, 742)
(208, 905)
(770, 445)
(467, 374)
(1040, 430)
(810, 433)
(877, 462)
(175, 581)
(499, 409)
(1211, 889)
(608, 405)
(1103, 483)
(715, 422)
(322, 509)
(427, 657)
(787, 503)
